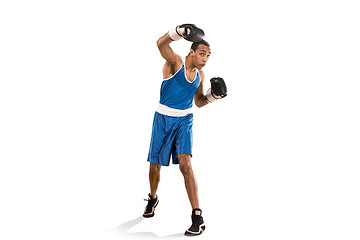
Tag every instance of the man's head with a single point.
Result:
(200, 53)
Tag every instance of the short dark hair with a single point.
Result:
(195, 45)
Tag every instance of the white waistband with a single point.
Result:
(172, 112)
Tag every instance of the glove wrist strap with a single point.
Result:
(176, 33)
(210, 98)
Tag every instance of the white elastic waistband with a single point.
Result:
(172, 112)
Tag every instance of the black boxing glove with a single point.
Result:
(187, 31)
(217, 91)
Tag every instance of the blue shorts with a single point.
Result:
(170, 136)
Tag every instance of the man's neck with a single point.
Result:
(189, 65)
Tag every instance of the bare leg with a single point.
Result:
(190, 179)
(154, 178)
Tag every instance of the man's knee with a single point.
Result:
(155, 168)
(185, 163)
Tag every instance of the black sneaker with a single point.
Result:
(150, 208)
(198, 225)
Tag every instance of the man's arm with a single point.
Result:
(188, 31)
(217, 91)
(199, 96)
(167, 53)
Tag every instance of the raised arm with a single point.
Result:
(166, 51)
(187, 31)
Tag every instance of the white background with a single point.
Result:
(276, 159)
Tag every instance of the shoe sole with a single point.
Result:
(189, 233)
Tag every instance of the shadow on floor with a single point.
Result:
(126, 226)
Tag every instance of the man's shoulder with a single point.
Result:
(202, 74)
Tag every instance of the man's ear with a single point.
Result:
(191, 52)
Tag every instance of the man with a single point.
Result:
(172, 126)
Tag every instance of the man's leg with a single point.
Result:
(198, 225)
(153, 200)
(154, 178)
(190, 179)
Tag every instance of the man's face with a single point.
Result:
(200, 56)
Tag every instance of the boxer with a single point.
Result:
(182, 85)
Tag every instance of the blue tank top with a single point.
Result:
(177, 92)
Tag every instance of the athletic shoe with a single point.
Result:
(150, 208)
(198, 225)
